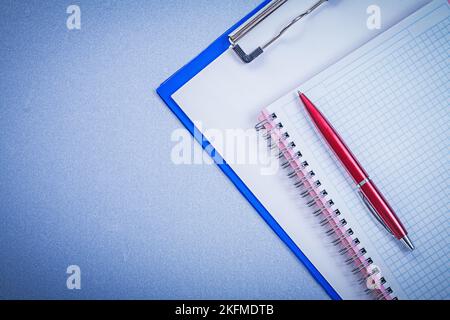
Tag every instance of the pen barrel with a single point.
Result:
(383, 209)
(334, 140)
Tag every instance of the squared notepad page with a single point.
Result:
(389, 100)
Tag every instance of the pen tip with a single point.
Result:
(407, 242)
(304, 99)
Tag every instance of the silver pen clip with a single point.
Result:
(373, 211)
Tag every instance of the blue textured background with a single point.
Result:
(85, 170)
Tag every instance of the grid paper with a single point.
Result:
(391, 106)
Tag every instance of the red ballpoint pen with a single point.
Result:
(370, 194)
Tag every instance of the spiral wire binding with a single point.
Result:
(323, 207)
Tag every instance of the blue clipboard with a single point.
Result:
(184, 75)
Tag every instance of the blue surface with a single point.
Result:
(86, 176)
(173, 84)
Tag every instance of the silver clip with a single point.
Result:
(246, 28)
(373, 211)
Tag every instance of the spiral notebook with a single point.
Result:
(220, 92)
(390, 102)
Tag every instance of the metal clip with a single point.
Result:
(373, 211)
(269, 9)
